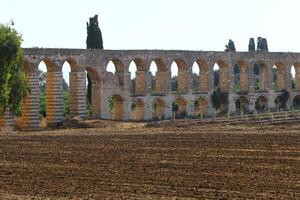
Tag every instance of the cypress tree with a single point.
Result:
(262, 44)
(93, 41)
(251, 46)
(230, 47)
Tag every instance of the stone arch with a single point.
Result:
(66, 72)
(181, 105)
(261, 104)
(296, 102)
(73, 64)
(115, 104)
(159, 109)
(137, 110)
(179, 82)
(95, 92)
(260, 76)
(158, 81)
(242, 104)
(140, 77)
(201, 107)
(203, 75)
(293, 77)
(30, 105)
(223, 75)
(279, 76)
(118, 69)
(51, 91)
(50, 65)
(78, 80)
(297, 76)
(242, 78)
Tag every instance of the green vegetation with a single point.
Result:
(196, 88)
(12, 77)
(283, 98)
(93, 41)
(219, 98)
(251, 46)
(262, 44)
(230, 47)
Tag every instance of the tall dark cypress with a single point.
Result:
(251, 46)
(93, 41)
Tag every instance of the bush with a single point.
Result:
(219, 98)
(283, 98)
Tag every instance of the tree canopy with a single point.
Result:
(12, 78)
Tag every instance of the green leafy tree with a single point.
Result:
(93, 41)
(12, 77)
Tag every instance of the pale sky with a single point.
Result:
(157, 24)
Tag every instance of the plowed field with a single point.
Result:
(196, 162)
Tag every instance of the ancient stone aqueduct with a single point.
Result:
(153, 101)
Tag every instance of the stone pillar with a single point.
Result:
(126, 109)
(231, 92)
(288, 84)
(244, 80)
(210, 109)
(148, 82)
(126, 81)
(297, 77)
(148, 109)
(189, 80)
(77, 99)
(182, 82)
(140, 83)
(168, 107)
(231, 106)
(224, 79)
(96, 100)
(163, 84)
(104, 107)
(271, 103)
(121, 78)
(251, 107)
(268, 75)
(229, 74)
(281, 79)
(251, 77)
(118, 109)
(54, 97)
(204, 81)
(30, 107)
(167, 82)
(190, 108)
(210, 76)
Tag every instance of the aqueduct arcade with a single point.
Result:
(247, 77)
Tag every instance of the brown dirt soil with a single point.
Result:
(129, 161)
